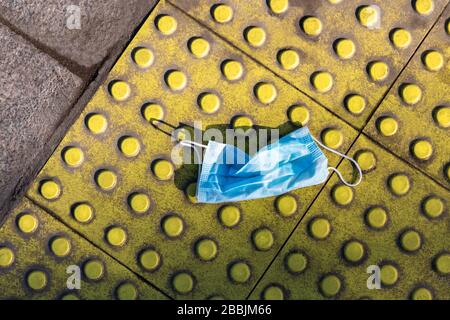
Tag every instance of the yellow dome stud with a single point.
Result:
(222, 13)
(166, 24)
(255, 36)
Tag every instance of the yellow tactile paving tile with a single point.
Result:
(396, 219)
(414, 119)
(39, 256)
(112, 180)
(344, 53)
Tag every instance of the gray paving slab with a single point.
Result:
(36, 93)
(54, 24)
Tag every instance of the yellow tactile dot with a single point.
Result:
(387, 126)
(442, 116)
(378, 70)
(421, 294)
(199, 47)
(150, 259)
(116, 236)
(399, 184)
(442, 263)
(229, 216)
(353, 251)
(166, 24)
(143, 57)
(255, 36)
(433, 60)
(94, 269)
(27, 223)
(242, 122)
(172, 226)
(344, 48)
(319, 228)
(191, 192)
(206, 249)
(273, 293)
(366, 160)
(401, 38)
(162, 169)
(83, 213)
(50, 190)
(422, 149)
(265, 92)
(106, 180)
(119, 90)
(330, 286)
(433, 207)
(355, 104)
(342, 195)
(368, 16)
(299, 115)
(296, 262)
(410, 93)
(424, 7)
(129, 146)
(70, 297)
(332, 138)
(322, 81)
(410, 241)
(286, 205)
(262, 239)
(239, 272)
(139, 202)
(175, 80)
(73, 156)
(222, 13)
(334, 1)
(96, 123)
(6, 257)
(288, 59)
(152, 111)
(37, 280)
(278, 6)
(388, 275)
(183, 283)
(232, 70)
(209, 102)
(376, 218)
(126, 291)
(312, 26)
(60, 246)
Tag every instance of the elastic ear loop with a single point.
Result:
(337, 171)
(193, 145)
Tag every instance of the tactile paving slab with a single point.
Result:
(112, 180)
(36, 251)
(345, 54)
(414, 119)
(396, 219)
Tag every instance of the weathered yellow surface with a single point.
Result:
(366, 227)
(419, 103)
(112, 180)
(313, 30)
(36, 250)
(107, 177)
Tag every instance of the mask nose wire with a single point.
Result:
(337, 171)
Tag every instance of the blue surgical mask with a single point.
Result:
(295, 161)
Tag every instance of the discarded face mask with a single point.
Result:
(295, 161)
